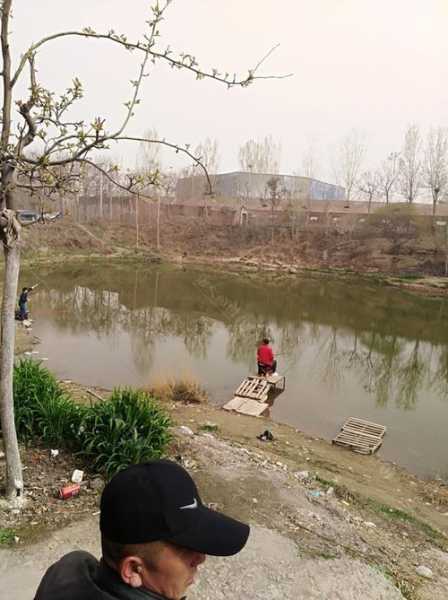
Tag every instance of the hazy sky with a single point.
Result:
(373, 65)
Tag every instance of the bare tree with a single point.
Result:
(260, 156)
(310, 163)
(148, 158)
(436, 164)
(46, 125)
(388, 175)
(208, 151)
(369, 185)
(209, 154)
(349, 158)
(274, 195)
(410, 164)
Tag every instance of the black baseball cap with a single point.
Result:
(159, 501)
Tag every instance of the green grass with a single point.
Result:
(6, 536)
(42, 409)
(211, 427)
(127, 428)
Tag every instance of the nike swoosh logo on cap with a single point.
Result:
(190, 506)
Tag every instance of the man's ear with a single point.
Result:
(130, 571)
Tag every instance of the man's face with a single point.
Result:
(173, 571)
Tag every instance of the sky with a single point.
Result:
(371, 65)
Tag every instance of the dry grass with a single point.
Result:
(185, 389)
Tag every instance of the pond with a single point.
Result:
(347, 348)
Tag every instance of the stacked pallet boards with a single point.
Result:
(252, 394)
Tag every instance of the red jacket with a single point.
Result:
(265, 355)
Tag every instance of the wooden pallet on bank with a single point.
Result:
(360, 436)
(246, 406)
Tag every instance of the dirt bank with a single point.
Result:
(414, 261)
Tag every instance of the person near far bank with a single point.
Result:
(267, 365)
(155, 533)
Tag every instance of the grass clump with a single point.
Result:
(43, 410)
(6, 536)
(185, 390)
(127, 428)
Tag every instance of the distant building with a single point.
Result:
(252, 189)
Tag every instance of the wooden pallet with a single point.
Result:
(256, 388)
(360, 436)
(246, 406)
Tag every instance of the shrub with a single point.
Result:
(127, 428)
(185, 390)
(43, 411)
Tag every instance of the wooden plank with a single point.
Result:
(253, 387)
(357, 445)
(365, 425)
(246, 406)
(234, 404)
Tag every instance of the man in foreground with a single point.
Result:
(155, 532)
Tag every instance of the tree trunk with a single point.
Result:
(14, 481)
(158, 224)
(101, 196)
(435, 198)
(136, 221)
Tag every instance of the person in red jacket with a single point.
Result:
(265, 359)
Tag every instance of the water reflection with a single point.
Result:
(376, 344)
(345, 348)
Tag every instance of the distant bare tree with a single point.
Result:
(310, 164)
(388, 175)
(369, 185)
(148, 157)
(260, 156)
(436, 164)
(274, 195)
(349, 158)
(410, 164)
(208, 151)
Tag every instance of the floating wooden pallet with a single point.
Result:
(256, 388)
(360, 436)
(246, 406)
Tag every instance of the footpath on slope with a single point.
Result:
(311, 539)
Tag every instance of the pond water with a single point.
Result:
(346, 348)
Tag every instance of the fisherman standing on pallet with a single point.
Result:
(267, 365)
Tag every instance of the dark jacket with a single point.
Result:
(79, 576)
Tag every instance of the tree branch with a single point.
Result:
(184, 61)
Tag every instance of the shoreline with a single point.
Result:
(426, 285)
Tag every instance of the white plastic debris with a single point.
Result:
(184, 430)
(77, 476)
(424, 572)
(54, 453)
(302, 475)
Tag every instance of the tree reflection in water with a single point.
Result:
(396, 346)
